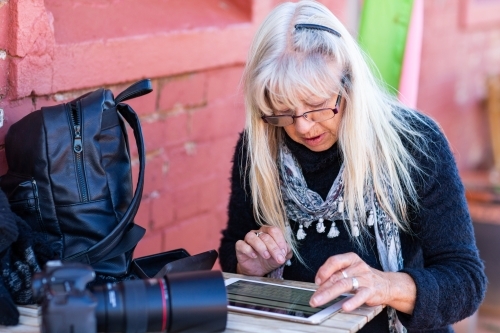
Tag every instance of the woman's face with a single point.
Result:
(315, 136)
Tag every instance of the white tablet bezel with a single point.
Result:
(316, 318)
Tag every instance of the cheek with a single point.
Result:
(333, 124)
(290, 130)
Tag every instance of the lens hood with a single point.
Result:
(198, 301)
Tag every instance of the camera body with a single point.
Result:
(67, 305)
(179, 302)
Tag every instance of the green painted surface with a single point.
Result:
(382, 35)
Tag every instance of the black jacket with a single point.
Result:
(441, 255)
(22, 252)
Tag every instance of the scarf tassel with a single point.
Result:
(371, 219)
(334, 231)
(340, 208)
(301, 234)
(320, 227)
(355, 229)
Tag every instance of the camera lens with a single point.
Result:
(181, 302)
(132, 306)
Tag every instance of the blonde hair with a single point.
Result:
(285, 63)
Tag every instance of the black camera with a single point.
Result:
(179, 302)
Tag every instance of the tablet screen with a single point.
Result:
(274, 298)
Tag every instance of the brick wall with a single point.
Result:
(52, 51)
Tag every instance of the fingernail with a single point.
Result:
(254, 255)
(283, 251)
(266, 255)
(281, 258)
(346, 307)
(317, 299)
(317, 281)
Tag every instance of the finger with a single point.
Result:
(333, 265)
(257, 243)
(339, 275)
(273, 248)
(278, 237)
(329, 291)
(244, 249)
(361, 297)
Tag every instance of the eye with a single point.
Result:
(318, 105)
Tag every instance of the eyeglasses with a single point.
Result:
(315, 116)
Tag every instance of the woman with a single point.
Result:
(349, 188)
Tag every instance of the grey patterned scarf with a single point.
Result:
(305, 206)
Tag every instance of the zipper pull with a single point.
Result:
(77, 143)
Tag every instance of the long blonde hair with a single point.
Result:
(285, 63)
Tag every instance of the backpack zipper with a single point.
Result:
(75, 116)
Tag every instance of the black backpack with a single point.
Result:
(69, 177)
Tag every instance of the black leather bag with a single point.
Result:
(69, 176)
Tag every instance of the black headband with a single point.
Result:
(317, 27)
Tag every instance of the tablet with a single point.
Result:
(278, 301)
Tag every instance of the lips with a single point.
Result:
(313, 141)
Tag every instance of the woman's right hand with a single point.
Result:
(262, 251)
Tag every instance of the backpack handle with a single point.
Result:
(138, 89)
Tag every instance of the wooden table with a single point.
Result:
(340, 322)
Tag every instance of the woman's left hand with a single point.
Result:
(340, 274)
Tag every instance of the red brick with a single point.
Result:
(181, 167)
(143, 216)
(221, 153)
(217, 120)
(193, 234)
(186, 90)
(172, 130)
(162, 210)
(155, 175)
(196, 198)
(4, 25)
(206, 160)
(186, 168)
(176, 129)
(224, 83)
(154, 134)
(148, 245)
(4, 65)
(45, 101)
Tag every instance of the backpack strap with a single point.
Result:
(126, 234)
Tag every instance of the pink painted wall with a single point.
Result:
(461, 48)
(194, 51)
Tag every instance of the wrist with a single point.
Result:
(402, 292)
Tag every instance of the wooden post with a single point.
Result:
(494, 118)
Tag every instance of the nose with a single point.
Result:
(302, 125)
